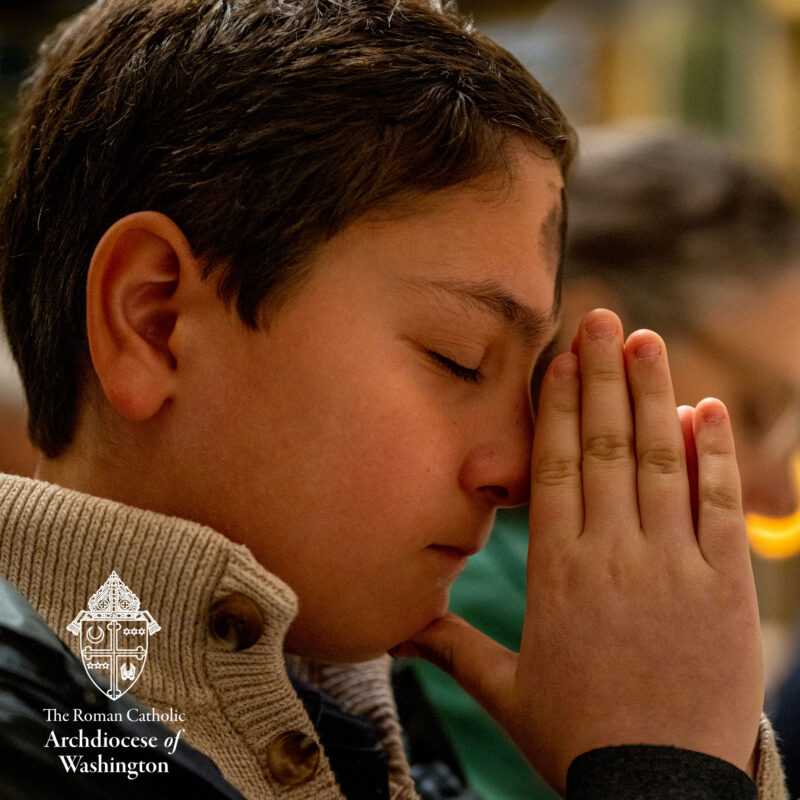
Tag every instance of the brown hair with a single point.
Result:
(662, 215)
(261, 127)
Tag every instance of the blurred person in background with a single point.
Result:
(17, 455)
(675, 233)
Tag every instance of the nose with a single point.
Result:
(497, 469)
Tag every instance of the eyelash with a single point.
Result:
(454, 368)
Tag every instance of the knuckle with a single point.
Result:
(657, 383)
(608, 448)
(715, 449)
(557, 469)
(661, 460)
(565, 403)
(606, 373)
(619, 575)
(720, 497)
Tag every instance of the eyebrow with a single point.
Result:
(529, 323)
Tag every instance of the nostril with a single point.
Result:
(500, 492)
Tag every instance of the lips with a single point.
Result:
(461, 545)
(456, 552)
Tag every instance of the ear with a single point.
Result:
(132, 309)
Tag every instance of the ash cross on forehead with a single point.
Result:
(554, 244)
(529, 323)
(554, 232)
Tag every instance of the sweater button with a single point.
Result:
(237, 621)
(292, 758)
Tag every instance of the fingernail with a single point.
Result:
(565, 367)
(647, 349)
(714, 415)
(601, 328)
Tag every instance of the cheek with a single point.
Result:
(387, 451)
(368, 448)
(386, 414)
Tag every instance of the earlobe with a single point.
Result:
(132, 308)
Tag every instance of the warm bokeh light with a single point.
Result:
(772, 537)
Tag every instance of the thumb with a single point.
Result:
(482, 667)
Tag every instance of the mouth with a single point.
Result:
(458, 553)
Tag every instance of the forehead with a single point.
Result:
(506, 228)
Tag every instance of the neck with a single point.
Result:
(113, 463)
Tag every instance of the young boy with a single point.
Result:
(276, 275)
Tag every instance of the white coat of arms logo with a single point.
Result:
(114, 636)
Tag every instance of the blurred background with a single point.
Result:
(729, 69)
(727, 66)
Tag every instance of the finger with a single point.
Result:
(721, 529)
(481, 666)
(556, 509)
(609, 465)
(686, 418)
(662, 483)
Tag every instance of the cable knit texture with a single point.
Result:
(769, 774)
(58, 547)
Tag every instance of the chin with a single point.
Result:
(333, 647)
(354, 646)
(422, 623)
(328, 652)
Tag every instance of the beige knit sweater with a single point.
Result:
(59, 546)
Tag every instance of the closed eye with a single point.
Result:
(454, 368)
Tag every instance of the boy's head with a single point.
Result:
(324, 241)
(260, 127)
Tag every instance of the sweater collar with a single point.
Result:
(178, 570)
